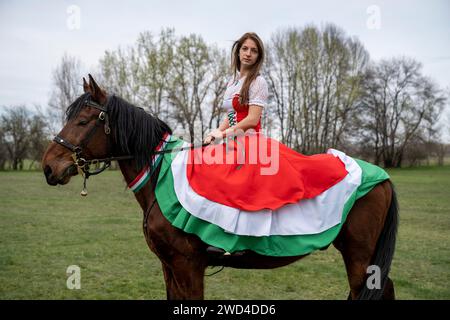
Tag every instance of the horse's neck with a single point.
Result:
(146, 195)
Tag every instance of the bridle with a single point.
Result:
(84, 165)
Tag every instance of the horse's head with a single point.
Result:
(85, 136)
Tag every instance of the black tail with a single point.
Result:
(384, 251)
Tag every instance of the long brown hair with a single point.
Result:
(236, 63)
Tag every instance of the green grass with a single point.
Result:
(46, 229)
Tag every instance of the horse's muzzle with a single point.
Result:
(53, 180)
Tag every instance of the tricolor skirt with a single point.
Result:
(254, 193)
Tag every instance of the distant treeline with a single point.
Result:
(325, 92)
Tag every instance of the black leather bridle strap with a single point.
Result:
(66, 144)
(94, 104)
(78, 149)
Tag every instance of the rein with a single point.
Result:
(84, 165)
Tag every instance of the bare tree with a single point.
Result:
(155, 66)
(315, 78)
(190, 83)
(16, 127)
(442, 150)
(181, 80)
(400, 104)
(38, 139)
(140, 73)
(67, 86)
(282, 60)
(118, 73)
(3, 148)
(218, 71)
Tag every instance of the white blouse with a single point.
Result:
(258, 92)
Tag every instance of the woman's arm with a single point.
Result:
(217, 132)
(250, 121)
(225, 124)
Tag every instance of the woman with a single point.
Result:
(277, 179)
(246, 93)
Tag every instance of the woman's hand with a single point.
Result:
(208, 139)
(213, 135)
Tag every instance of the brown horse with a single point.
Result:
(108, 128)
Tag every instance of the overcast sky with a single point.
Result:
(35, 34)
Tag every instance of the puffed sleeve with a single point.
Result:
(259, 92)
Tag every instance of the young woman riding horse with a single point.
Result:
(102, 128)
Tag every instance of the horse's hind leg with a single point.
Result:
(356, 273)
(389, 292)
(358, 238)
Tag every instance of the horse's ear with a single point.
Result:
(86, 86)
(97, 93)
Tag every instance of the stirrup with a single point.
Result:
(219, 252)
(215, 251)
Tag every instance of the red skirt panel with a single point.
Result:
(254, 172)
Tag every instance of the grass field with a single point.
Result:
(46, 229)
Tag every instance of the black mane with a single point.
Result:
(135, 132)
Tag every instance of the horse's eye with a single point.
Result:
(82, 122)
